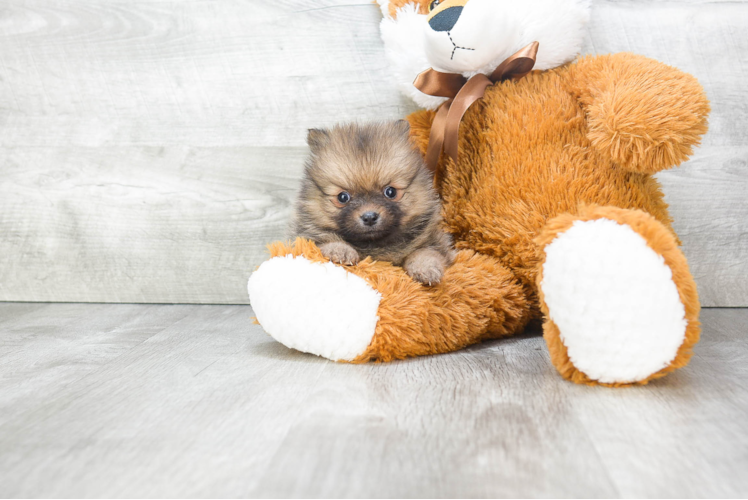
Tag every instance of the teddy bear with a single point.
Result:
(548, 190)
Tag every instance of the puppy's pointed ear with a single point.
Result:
(403, 127)
(317, 138)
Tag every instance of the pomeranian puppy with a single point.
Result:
(367, 192)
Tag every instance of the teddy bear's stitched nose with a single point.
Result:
(446, 19)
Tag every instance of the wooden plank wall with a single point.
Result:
(149, 150)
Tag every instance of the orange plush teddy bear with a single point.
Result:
(548, 191)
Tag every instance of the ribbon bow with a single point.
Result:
(462, 94)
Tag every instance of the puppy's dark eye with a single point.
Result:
(390, 192)
(434, 5)
(344, 198)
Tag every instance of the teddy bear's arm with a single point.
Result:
(645, 115)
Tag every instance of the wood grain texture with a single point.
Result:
(172, 224)
(195, 401)
(149, 149)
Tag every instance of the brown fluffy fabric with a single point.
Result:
(534, 149)
(578, 142)
(477, 300)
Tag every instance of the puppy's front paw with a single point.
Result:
(340, 253)
(426, 267)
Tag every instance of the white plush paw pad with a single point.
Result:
(314, 307)
(614, 301)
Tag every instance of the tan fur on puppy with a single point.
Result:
(366, 192)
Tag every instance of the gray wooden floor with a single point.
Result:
(154, 400)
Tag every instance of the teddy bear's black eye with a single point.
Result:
(344, 197)
(390, 192)
(434, 4)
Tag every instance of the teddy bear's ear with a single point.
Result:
(384, 5)
(317, 138)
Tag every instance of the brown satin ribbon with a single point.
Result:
(462, 94)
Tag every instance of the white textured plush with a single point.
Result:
(404, 47)
(313, 307)
(488, 31)
(614, 301)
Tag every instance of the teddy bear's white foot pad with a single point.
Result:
(613, 300)
(318, 308)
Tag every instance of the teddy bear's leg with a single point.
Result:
(374, 311)
(619, 301)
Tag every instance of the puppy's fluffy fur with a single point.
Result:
(367, 192)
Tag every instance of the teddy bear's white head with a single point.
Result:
(475, 36)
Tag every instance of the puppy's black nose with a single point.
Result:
(370, 218)
(446, 19)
